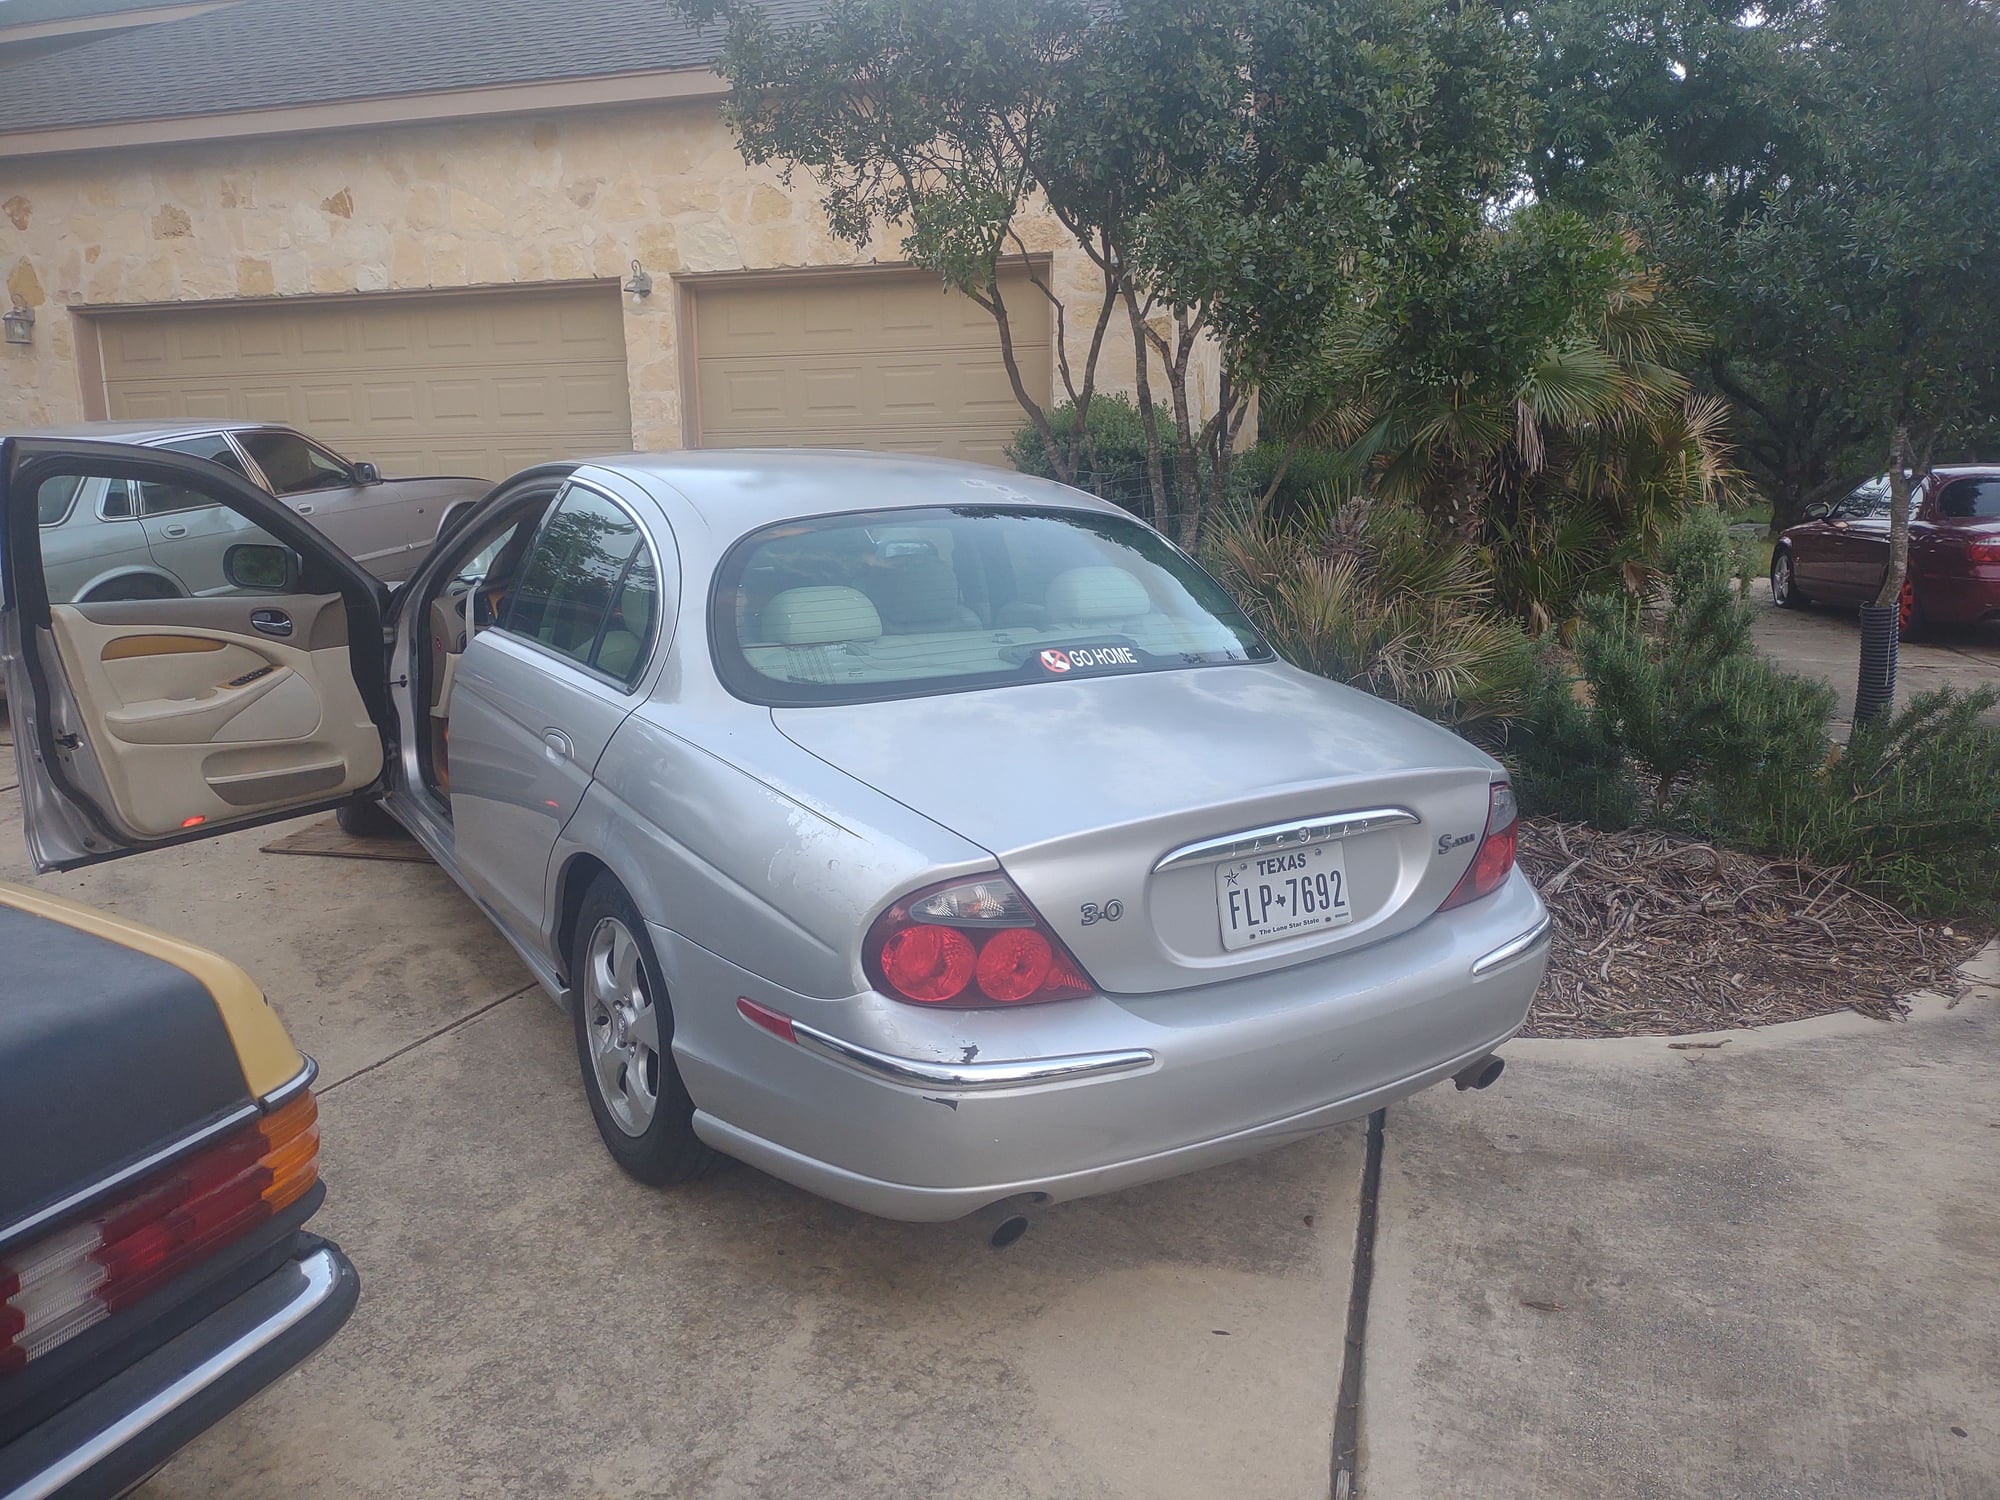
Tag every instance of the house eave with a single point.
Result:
(653, 86)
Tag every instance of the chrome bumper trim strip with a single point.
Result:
(297, 1083)
(969, 1077)
(105, 1186)
(1507, 952)
(1279, 837)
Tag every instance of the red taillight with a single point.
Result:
(78, 1276)
(1983, 552)
(1493, 862)
(970, 942)
(931, 964)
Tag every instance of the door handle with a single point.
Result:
(271, 621)
(305, 510)
(557, 745)
(173, 531)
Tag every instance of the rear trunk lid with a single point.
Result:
(1178, 828)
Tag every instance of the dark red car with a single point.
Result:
(1840, 554)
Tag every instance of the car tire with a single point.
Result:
(1785, 590)
(368, 820)
(624, 1043)
(133, 588)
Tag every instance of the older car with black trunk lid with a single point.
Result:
(159, 1159)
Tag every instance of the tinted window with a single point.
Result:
(212, 446)
(1972, 499)
(292, 464)
(901, 603)
(53, 499)
(164, 499)
(116, 504)
(1872, 499)
(578, 594)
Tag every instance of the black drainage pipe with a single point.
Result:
(1875, 692)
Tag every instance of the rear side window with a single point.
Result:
(212, 446)
(1971, 499)
(52, 500)
(898, 604)
(588, 589)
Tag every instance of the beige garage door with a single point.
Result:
(863, 359)
(470, 383)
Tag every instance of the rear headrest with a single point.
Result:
(916, 591)
(817, 616)
(1103, 593)
(635, 607)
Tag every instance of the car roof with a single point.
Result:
(135, 432)
(1961, 471)
(736, 490)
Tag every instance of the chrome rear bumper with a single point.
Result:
(132, 1423)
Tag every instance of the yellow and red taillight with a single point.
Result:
(56, 1287)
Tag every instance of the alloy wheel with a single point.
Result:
(1781, 578)
(623, 1027)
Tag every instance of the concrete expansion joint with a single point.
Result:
(1347, 1411)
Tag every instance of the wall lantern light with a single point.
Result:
(20, 325)
(640, 284)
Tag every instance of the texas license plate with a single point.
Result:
(1282, 895)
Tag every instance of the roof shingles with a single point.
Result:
(263, 54)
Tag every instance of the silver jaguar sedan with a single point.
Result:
(920, 833)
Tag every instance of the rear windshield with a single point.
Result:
(899, 604)
(1971, 499)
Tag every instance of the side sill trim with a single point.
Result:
(1508, 952)
(971, 1077)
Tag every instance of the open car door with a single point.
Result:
(149, 710)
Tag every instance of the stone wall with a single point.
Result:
(551, 198)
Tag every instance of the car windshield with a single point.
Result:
(1972, 499)
(897, 604)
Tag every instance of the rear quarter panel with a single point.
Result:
(725, 832)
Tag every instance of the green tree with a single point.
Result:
(1522, 386)
(1818, 177)
(1235, 174)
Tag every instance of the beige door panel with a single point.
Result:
(181, 739)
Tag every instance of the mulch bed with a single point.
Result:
(1657, 935)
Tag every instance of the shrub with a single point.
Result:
(1683, 725)
(1312, 479)
(1363, 593)
(1113, 461)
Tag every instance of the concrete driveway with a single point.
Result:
(1826, 643)
(1770, 1268)
(533, 1323)
(1764, 1269)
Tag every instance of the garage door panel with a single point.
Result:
(480, 383)
(863, 360)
